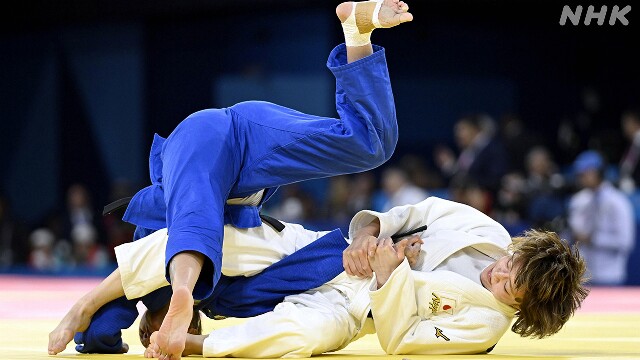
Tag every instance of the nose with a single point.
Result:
(500, 274)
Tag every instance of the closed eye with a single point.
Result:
(509, 267)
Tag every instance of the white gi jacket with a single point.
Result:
(415, 312)
(438, 312)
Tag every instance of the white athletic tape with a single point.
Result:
(352, 36)
(376, 11)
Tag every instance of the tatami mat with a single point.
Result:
(608, 326)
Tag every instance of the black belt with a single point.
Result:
(398, 237)
(276, 224)
(116, 205)
(122, 203)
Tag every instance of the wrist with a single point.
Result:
(381, 279)
(372, 229)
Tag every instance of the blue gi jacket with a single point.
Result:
(217, 154)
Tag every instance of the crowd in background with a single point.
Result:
(570, 182)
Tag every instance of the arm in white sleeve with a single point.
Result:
(401, 330)
(141, 264)
(436, 213)
(246, 252)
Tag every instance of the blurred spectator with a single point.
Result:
(295, 206)
(86, 251)
(511, 202)
(42, 243)
(629, 169)
(467, 191)
(576, 132)
(545, 188)
(399, 189)
(79, 210)
(543, 175)
(419, 173)
(14, 247)
(517, 141)
(482, 155)
(361, 194)
(601, 221)
(338, 199)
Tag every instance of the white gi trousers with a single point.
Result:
(320, 320)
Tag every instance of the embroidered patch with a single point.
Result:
(434, 305)
(448, 304)
(441, 303)
(440, 334)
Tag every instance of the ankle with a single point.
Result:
(194, 345)
(181, 289)
(359, 19)
(85, 307)
(354, 33)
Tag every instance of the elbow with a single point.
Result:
(389, 150)
(390, 142)
(386, 148)
(386, 140)
(374, 158)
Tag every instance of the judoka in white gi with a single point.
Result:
(460, 297)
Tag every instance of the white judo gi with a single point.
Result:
(415, 312)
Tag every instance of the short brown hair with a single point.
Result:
(552, 275)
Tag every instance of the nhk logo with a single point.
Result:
(616, 14)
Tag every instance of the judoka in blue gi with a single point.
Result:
(220, 165)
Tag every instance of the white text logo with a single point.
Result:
(617, 14)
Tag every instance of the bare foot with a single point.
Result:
(392, 13)
(152, 320)
(170, 339)
(153, 350)
(193, 346)
(77, 319)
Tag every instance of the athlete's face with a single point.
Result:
(500, 278)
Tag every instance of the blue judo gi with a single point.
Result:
(217, 154)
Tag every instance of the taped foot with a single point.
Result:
(359, 19)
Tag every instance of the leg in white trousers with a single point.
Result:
(303, 325)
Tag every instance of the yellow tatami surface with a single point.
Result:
(607, 327)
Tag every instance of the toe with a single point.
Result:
(405, 17)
